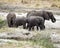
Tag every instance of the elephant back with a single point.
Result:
(38, 13)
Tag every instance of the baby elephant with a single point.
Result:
(20, 21)
(35, 21)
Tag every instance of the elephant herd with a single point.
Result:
(32, 19)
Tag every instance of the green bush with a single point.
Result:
(2, 23)
(42, 40)
(45, 42)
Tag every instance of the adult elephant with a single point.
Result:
(10, 19)
(35, 21)
(20, 21)
(45, 14)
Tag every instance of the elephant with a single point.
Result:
(20, 21)
(10, 19)
(45, 14)
(35, 21)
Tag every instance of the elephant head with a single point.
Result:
(53, 19)
(45, 15)
(10, 19)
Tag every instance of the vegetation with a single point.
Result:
(2, 23)
(26, 3)
(38, 43)
(45, 42)
(42, 40)
(38, 40)
(54, 5)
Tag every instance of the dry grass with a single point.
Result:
(20, 44)
(36, 4)
(42, 39)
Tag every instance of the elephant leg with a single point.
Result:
(37, 28)
(15, 25)
(42, 27)
(24, 26)
(9, 24)
(32, 28)
(27, 26)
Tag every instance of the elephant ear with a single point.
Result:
(50, 15)
(45, 15)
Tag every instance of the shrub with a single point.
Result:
(2, 23)
(37, 4)
(54, 5)
(42, 40)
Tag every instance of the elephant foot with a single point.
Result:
(16, 26)
(9, 25)
(33, 28)
(29, 29)
(37, 28)
(42, 28)
(24, 28)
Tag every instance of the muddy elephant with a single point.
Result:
(10, 19)
(20, 22)
(45, 14)
(35, 21)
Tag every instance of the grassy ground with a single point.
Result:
(44, 43)
(42, 39)
(39, 42)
